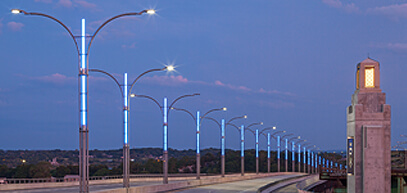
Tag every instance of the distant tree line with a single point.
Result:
(210, 163)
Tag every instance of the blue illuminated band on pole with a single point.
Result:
(165, 111)
(293, 152)
(198, 124)
(299, 153)
(305, 154)
(268, 145)
(286, 149)
(223, 137)
(257, 143)
(278, 147)
(242, 141)
(83, 77)
(126, 109)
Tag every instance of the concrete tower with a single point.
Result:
(368, 133)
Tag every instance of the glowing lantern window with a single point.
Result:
(369, 77)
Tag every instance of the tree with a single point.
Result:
(40, 170)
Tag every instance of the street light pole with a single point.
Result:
(268, 144)
(165, 110)
(124, 89)
(257, 151)
(242, 150)
(286, 150)
(83, 56)
(198, 126)
(222, 126)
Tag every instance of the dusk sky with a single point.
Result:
(289, 64)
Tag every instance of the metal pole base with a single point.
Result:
(286, 165)
(198, 166)
(165, 169)
(268, 165)
(223, 165)
(126, 166)
(278, 165)
(242, 165)
(84, 160)
(257, 165)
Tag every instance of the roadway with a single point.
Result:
(246, 186)
(92, 188)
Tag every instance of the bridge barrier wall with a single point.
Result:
(23, 184)
(190, 183)
(308, 183)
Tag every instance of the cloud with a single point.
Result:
(167, 80)
(59, 79)
(43, 1)
(350, 8)
(85, 4)
(133, 45)
(1, 24)
(180, 80)
(395, 11)
(65, 3)
(399, 47)
(14, 26)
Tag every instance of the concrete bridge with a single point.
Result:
(251, 182)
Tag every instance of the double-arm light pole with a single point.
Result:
(83, 60)
(165, 109)
(222, 127)
(197, 120)
(125, 89)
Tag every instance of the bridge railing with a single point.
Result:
(72, 178)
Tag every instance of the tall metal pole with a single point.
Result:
(305, 160)
(286, 155)
(299, 157)
(293, 156)
(278, 154)
(223, 148)
(126, 154)
(312, 162)
(257, 151)
(83, 131)
(198, 154)
(165, 148)
(268, 152)
(309, 162)
(242, 150)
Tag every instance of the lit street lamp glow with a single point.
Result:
(15, 11)
(150, 11)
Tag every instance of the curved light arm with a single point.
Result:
(213, 110)
(52, 18)
(106, 22)
(183, 96)
(148, 97)
(233, 125)
(110, 75)
(253, 124)
(268, 128)
(179, 109)
(144, 73)
(275, 133)
(214, 120)
(253, 132)
(292, 138)
(286, 135)
(234, 118)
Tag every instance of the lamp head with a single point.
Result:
(150, 11)
(274, 128)
(224, 109)
(132, 95)
(16, 11)
(245, 116)
(170, 68)
(261, 123)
